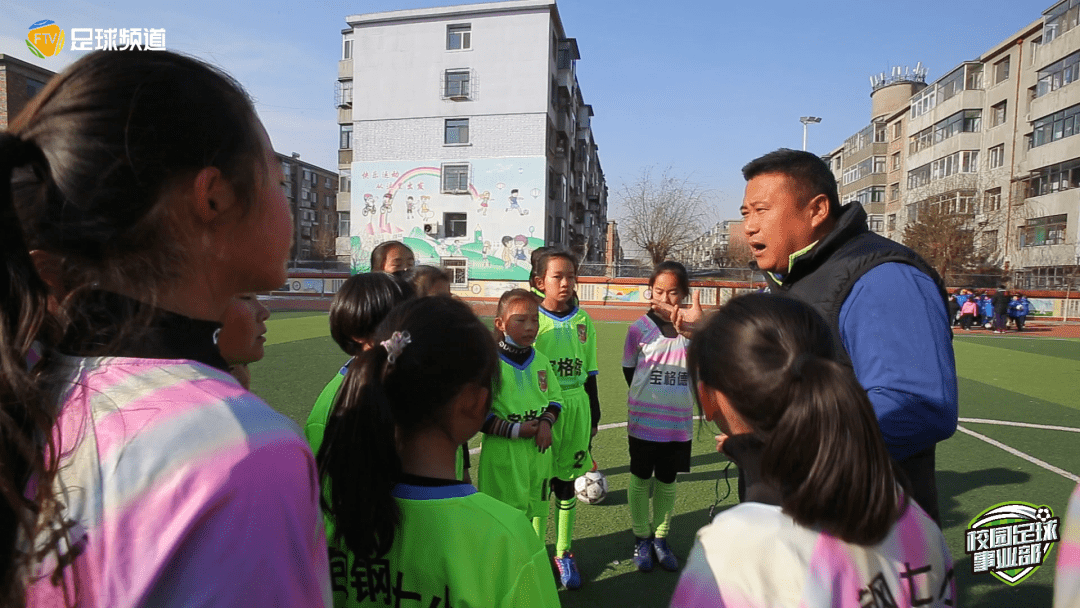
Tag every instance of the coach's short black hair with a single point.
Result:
(808, 170)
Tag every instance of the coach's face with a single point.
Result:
(779, 221)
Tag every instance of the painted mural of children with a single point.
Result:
(521, 251)
(387, 203)
(515, 202)
(369, 204)
(484, 198)
(507, 250)
(409, 204)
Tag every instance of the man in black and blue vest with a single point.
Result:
(885, 305)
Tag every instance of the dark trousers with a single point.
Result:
(1000, 321)
(965, 320)
(1019, 323)
(920, 473)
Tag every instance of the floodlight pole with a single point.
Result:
(807, 120)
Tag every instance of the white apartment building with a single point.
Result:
(991, 140)
(464, 134)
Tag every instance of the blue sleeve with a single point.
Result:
(896, 330)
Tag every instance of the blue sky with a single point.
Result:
(701, 86)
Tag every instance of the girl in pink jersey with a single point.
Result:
(660, 410)
(138, 194)
(826, 521)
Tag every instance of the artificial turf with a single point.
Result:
(1003, 378)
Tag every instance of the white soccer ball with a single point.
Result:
(591, 488)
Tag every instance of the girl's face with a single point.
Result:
(665, 290)
(263, 236)
(559, 282)
(242, 333)
(520, 322)
(399, 258)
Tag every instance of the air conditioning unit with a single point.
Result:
(431, 228)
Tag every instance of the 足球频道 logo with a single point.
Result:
(1011, 540)
(45, 38)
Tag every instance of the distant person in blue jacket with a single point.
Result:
(986, 309)
(1018, 310)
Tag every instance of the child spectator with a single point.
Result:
(399, 514)
(515, 464)
(242, 335)
(967, 313)
(392, 256)
(1018, 310)
(660, 416)
(826, 522)
(145, 193)
(429, 281)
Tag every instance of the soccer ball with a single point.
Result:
(988, 325)
(591, 488)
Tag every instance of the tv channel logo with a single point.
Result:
(45, 38)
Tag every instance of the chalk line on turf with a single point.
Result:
(1016, 452)
(1026, 425)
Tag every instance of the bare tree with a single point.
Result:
(662, 214)
(324, 244)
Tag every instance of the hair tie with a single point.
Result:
(798, 363)
(395, 345)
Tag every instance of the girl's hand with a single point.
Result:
(543, 436)
(528, 429)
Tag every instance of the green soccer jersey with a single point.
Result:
(569, 340)
(455, 547)
(514, 470)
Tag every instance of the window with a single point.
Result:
(455, 178)
(346, 47)
(879, 164)
(894, 191)
(344, 93)
(1058, 125)
(345, 180)
(458, 269)
(33, 86)
(895, 161)
(1049, 230)
(457, 84)
(997, 156)
(897, 130)
(457, 131)
(345, 141)
(988, 242)
(1001, 70)
(458, 37)
(1054, 178)
(992, 200)
(876, 223)
(998, 113)
(454, 224)
(326, 182)
(1058, 74)
(879, 133)
(343, 223)
(892, 222)
(1060, 19)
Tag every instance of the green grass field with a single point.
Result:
(1002, 379)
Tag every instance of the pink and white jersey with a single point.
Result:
(753, 555)
(1067, 580)
(184, 489)
(660, 404)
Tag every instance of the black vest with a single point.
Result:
(823, 277)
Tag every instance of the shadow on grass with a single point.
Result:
(608, 573)
(952, 484)
(984, 591)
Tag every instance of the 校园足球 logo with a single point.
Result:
(45, 38)
(1011, 540)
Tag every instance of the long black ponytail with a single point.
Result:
(426, 351)
(772, 358)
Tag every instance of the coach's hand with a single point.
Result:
(684, 319)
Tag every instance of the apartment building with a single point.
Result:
(465, 134)
(988, 141)
(19, 81)
(312, 195)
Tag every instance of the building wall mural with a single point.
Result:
(504, 214)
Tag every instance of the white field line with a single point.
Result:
(1016, 452)
(1026, 425)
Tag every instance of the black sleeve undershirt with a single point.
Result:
(594, 399)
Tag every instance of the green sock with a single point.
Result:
(663, 505)
(540, 525)
(565, 525)
(638, 497)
